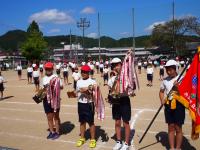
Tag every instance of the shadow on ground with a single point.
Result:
(162, 137)
(5, 98)
(100, 133)
(66, 127)
(123, 135)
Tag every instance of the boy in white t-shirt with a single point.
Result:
(66, 73)
(36, 79)
(149, 74)
(76, 76)
(29, 74)
(86, 106)
(105, 75)
(19, 71)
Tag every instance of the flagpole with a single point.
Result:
(159, 109)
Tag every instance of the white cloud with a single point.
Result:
(52, 16)
(150, 27)
(54, 31)
(92, 35)
(88, 10)
(125, 33)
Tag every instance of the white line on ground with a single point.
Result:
(135, 117)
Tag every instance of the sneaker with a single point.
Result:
(125, 147)
(117, 146)
(80, 142)
(50, 135)
(55, 136)
(92, 143)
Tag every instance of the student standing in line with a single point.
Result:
(86, 106)
(173, 117)
(36, 76)
(1, 85)
(76, 76)
(29, 74)
(105, 75)
(66, 73)
(19, 71)
(53, 84)
(121, 107)
(149, 74)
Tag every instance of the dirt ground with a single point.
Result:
(23, 123)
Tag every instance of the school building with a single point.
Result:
(76, 52)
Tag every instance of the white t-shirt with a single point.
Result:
(105, 70)
(182, 62)
(101, 66)
(1, 79)
(111, 81)
(65, 68)
(76, 76)
(161, 67)
(58, 66)
(91, 66)
(29, 69)
(167, 84)
(150, 70)
(83, 98)
(41, 66)
(46, 80)
(107, 62)
(145, 63)
(36, 74)
(139, 64)
(97, 63)
(73, 65)
(19, 67)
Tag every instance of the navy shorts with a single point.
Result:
(176, 116)
(47, 107)
(65, 74)
(58, 71)
(36, 80)
(149, 77)
(105, 77)
(162, 72)
(29, 74)
(86, 112)
(122, 110)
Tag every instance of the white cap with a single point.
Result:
(171, 62)
(34, 65)
(116, 60)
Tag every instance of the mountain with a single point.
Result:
(12, 40)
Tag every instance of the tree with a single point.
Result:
(35, 45)
(162, 34)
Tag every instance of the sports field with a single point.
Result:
(23, 123)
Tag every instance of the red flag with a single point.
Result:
(190, 95)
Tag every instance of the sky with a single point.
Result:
(58, 17)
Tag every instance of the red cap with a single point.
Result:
(48, 65)
(85, 68)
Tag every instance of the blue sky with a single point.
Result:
(57, 17)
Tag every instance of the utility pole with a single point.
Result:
(99, 37)
(70, 42)
(83, 24)
(173, 32)
(133, 15)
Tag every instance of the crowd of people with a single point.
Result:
(84, 84)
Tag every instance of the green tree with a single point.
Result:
(34, 46)
(162, 34)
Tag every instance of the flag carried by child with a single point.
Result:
(128, 76)
(189, 94)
